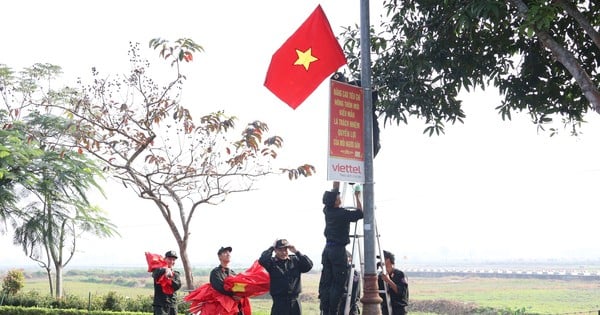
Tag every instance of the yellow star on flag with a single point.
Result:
(305, 58)
(239, 287)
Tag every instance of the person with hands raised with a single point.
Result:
(334, 258)
(285, 276)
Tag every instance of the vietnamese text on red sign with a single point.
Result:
(346, 136)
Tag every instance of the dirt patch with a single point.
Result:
(448, 307)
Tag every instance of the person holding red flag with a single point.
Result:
(234, 290)
(166, 282)
(284, 272)
(220, 273)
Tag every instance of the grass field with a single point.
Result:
(536, 296)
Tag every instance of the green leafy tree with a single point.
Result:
(51, 210)
(59, 212)
(543, 57)
(150, 142)
(16, 156)
(13, 282)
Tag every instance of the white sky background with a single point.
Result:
(487, 190)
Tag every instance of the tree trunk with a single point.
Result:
(187, 268)
(59, 281)
(566, 58)
(180, 237)
(581, 20)
(49, 273)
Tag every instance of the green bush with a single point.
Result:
(93, 279)
(140, 303)
(112, 302)
(71, 301)
(13, 282)
(16, 310)
(109, 302)
(29, 299)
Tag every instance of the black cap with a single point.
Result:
(171, 253)
(224, 249)
(329, 198)
(390, 256)
(281, 243)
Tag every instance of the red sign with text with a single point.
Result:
(346, 132)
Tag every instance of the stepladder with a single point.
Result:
(356, 268)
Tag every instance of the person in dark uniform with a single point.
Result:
(397, 286)
(285, 276)
(222, 271)
(334, 260)
(166, 282)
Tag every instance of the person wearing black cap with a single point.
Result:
(166, 283)
(334, 259)
(285, 276)
(222, 271)
(397, 286)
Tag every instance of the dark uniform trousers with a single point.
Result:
(165, 310)
(286, 305)
(333, 278)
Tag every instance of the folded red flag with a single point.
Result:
(165, 284)
(252, 282)
(206, 300)
(155, 261)
(306, 58)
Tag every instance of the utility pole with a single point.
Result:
(371, 300)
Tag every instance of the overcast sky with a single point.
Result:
(486, 190)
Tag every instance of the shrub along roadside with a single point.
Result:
(17, 310)
(108, 302)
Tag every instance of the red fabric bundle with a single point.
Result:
(165, 284)
(252, 282)
(155, 261)
(206, 300)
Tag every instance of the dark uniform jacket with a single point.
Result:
(399, 300)
(337, 224)
(285, 274)
(160, 298)
(217, 279)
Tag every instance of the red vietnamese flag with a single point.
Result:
(253, 282)
(155, 261)
(309, 56)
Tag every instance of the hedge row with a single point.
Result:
(18, 310)
(108, 302)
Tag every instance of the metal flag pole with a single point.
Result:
(371, 300)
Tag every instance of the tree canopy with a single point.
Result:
(140, 128)
(542, 56)
(43, 180)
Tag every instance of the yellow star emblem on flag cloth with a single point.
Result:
(239, 287)
(305, 58)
